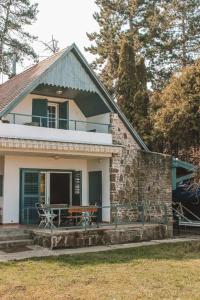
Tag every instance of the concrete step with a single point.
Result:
(16, 236)
(15, 243)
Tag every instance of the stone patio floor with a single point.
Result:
(37, 251)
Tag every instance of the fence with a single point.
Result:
(113, 215)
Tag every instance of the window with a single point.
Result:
(1, 185)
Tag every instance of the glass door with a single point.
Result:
(52, 115)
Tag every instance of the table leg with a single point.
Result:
(59, 217)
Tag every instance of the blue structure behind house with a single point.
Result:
(184, 191)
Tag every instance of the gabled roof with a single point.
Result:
(15, 89)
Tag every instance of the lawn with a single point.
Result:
(155, 272)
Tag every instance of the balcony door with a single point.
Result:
(52, 115)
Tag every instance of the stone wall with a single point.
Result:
(155, 182)
(101, 236)
(124, 166)
(139, 177)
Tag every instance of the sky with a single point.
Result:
(67, 20)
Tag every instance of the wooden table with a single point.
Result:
(76, 212)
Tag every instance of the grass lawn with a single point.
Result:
(155, 272)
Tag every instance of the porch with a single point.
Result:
(51, 173)
(26, 239)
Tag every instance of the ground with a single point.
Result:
(170, 271)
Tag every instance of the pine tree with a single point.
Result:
(166, 33)
(14, 16)
(132, 87)
(105, 44)
(177, 43)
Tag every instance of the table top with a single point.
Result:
(65, 206)
(56, 206)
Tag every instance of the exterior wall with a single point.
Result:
(155, 181)
(1, 198)
(138, 176)
(12, 167)
(103, 165)
(124, 167)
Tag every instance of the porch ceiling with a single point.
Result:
(56, 149)
(90, 103)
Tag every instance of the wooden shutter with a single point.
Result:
(76, 188)
(39, 109)
(1, 185)
(30, 195)
(63, 115)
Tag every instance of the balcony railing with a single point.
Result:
(58, 123)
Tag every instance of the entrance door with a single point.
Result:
(95, 191)
(60, 188)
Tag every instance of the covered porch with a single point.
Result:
(52, 174)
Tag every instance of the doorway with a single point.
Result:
(56, 187)
(60, 188)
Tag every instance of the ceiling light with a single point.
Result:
(59, 92)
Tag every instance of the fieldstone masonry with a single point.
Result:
(140, 177)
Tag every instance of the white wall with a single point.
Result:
(12, 167)
(25, 107)
(104, 166)
(101, 119)
(1, 173)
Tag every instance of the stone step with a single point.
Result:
(16, 236)
(15, 243)
(12, 231)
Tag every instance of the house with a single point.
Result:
(64, 140)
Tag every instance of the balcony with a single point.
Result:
(33, 127)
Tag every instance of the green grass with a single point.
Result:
(169, 271)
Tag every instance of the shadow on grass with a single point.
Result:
(179, 251)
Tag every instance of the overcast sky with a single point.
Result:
(67, 20)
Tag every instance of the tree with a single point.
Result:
(176, 123)
(14, 16)
(132, 87)
(105, 44)
(177, 43)
(51, 46)
(166, 33)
